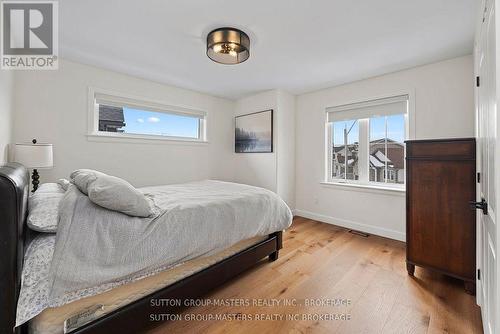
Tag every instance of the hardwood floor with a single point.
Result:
(326, 262)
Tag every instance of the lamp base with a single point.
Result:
(35, 177)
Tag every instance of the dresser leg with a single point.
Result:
(411, 269)
(470, 287)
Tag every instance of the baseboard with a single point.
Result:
(376, 230)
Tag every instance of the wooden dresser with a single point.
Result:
(440, 223)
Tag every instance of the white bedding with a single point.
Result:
(98, 249)
(34, 294)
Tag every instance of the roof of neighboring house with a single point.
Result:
(109, 113)
(381, 156)
(389, 141)
(375, 162)
(350, 147)
(337, 149)
(394, 156)
(395, 152)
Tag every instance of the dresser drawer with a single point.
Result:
(445, 149)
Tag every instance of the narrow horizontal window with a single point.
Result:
(123, 117)
(145, 122)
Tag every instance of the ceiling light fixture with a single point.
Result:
(228, 46)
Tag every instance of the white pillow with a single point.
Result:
(43, 208)
(116, 194)
(82, 178)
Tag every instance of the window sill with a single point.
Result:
(396, 191)
(142, 139)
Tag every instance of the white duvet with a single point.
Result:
(97, 249)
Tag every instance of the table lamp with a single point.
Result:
(34, 156)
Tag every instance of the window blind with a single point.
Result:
(120, 102)
(381, 107)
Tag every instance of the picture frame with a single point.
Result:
(254, 132)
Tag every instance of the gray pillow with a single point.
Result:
(82, 178)
(116, 194)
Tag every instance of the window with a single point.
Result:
(117, 116)
(366, 142)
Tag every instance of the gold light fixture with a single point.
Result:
(228, 46)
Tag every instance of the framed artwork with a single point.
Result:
(254, 132)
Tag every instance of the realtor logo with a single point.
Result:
(29, 35)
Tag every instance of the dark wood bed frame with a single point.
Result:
(132, 318)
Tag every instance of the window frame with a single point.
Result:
(93, 133)
(364, 142)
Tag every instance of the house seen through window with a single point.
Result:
(366, 142)
(387, 151)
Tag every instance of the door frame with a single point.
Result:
(496, 181)
(477, 37)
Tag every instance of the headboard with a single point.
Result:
(14, 191)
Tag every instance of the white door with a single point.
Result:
(487, 146)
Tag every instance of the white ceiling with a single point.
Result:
(297, 45)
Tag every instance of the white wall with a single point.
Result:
(52, 107)
(274, 171)
(444, 108)
(257, 169)
(6, 112)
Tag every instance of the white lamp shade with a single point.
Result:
(34, 155)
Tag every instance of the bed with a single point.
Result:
(191, 280)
